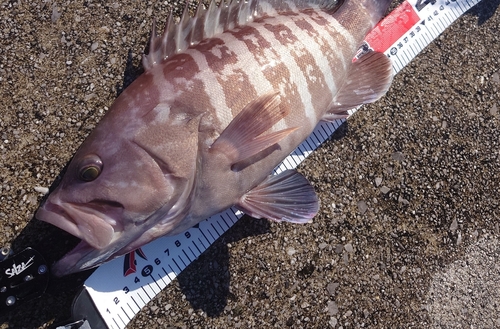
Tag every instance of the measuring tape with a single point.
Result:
(118, 290)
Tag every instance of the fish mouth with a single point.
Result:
(96, 223)
(71, 262)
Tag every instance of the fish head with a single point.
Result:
(116, 195)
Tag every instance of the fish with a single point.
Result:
(225, 96)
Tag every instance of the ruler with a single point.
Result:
(118, 290)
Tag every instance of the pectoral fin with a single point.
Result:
(243, 137)
(368, 79)
(285, 197)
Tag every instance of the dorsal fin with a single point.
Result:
(215, 19)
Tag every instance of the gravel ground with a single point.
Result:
(408, 233)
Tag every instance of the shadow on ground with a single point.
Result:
(484, 10)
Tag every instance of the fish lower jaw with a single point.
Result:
(73, 261)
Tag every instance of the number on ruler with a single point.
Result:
(126, 289)
(147, 270)
(116, 300)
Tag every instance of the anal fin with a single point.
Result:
(368, 79)
(243, 137)
(285, 197)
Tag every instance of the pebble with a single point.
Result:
(55, 14)
(331, 287)
(41, 189)
(454, 226)
(384, 189)
(362, 207)
(378, 181)
(339, 248)
(333, 309)
(495, 77)
(494, 110)
(348, 247)
(398, 156)
(403, 200)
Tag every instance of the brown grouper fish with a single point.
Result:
(225, 96)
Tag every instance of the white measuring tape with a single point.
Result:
(119, 289)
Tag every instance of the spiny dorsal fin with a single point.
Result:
(208, 22)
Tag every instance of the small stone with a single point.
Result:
(55, 14)
(398, 156)
(345, 258)
(41, 189)
(459, 238)
(495, 77)
(323, 245)
(362, 207)
(403, 200)
(331, 287)
(494, 110)
(454, 226)
(384, 189)
(94, 46)
(378, 181)
(168, 306)
(348, 247)
(290, 251)
(333, 321)
(89, 97)
(333, 309)
(339, 248)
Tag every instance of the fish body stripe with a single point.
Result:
(294, 53)
(213, 89)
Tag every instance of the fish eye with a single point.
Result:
(90, 168)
